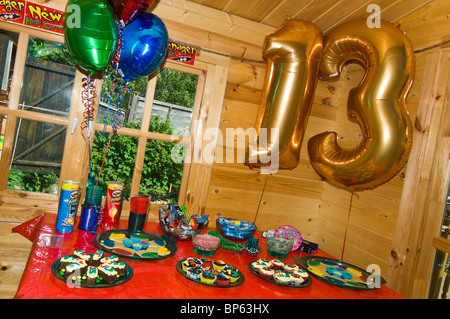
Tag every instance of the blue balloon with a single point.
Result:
(143, 48)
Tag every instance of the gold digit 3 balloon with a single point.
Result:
(377, 104)
(292, 53)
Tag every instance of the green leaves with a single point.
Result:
(161, 176)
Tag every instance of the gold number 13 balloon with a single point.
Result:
(377, 104)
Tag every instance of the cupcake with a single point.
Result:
(258, 265)
(218, 265)
(91, 275)
(282, 278)
(95, 260)
(108, 273)
(145, 244)
(206, 262)
(65, 260)
(331, 270)
(109, 259)
(198, 262)
(194, 273)
(290, 267)
(190, 263)
(128, 243)
(207, 277)
(301, 272)
(267, 272)
(346, 275)
(277, 264)
(119, 266)
(222, 280)
(296, 280)
(234, 276)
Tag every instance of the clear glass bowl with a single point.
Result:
(279, 247)
(205, 245)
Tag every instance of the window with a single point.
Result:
(154, 121)
(38, 146)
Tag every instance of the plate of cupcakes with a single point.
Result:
(210, 272)
(92, 270)
(280, 273)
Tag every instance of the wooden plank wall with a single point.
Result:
(297, 197)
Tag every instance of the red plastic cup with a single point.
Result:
(138, 213)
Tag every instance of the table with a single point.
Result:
(159, 278)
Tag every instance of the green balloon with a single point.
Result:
(90, 32)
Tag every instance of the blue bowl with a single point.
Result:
(235, 229)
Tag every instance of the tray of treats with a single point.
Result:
(134, 245)
(339, 273)
(280, 273)
(210, 272)
(92, 270)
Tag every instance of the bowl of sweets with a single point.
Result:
(279, 247)
(176, 223)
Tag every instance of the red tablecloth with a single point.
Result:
(159, 278)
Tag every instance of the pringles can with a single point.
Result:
(68, 206)
(112, 205)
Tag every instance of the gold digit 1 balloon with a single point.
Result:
(377, 104)
(292, 53)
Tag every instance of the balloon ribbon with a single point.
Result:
(348, 219)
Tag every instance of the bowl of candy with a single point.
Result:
(278, 247)
(176, 223)
(235, 229)
(205, 244)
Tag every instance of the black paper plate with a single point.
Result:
(113, 250)
(232, 284)
(339, 282)
(102, 284)
(304, 284)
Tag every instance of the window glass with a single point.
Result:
(48, 78)
(163, 165)
(8, 46)
(38, 146)
(37, 156)
(113, 159)
(174, 99)
(120, 101)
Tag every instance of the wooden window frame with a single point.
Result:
(212, 71)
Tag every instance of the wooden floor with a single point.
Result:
(14, 251)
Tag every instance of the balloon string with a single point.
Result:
(115, 121)
(101, 168)
(348, 219)
(260, 199)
